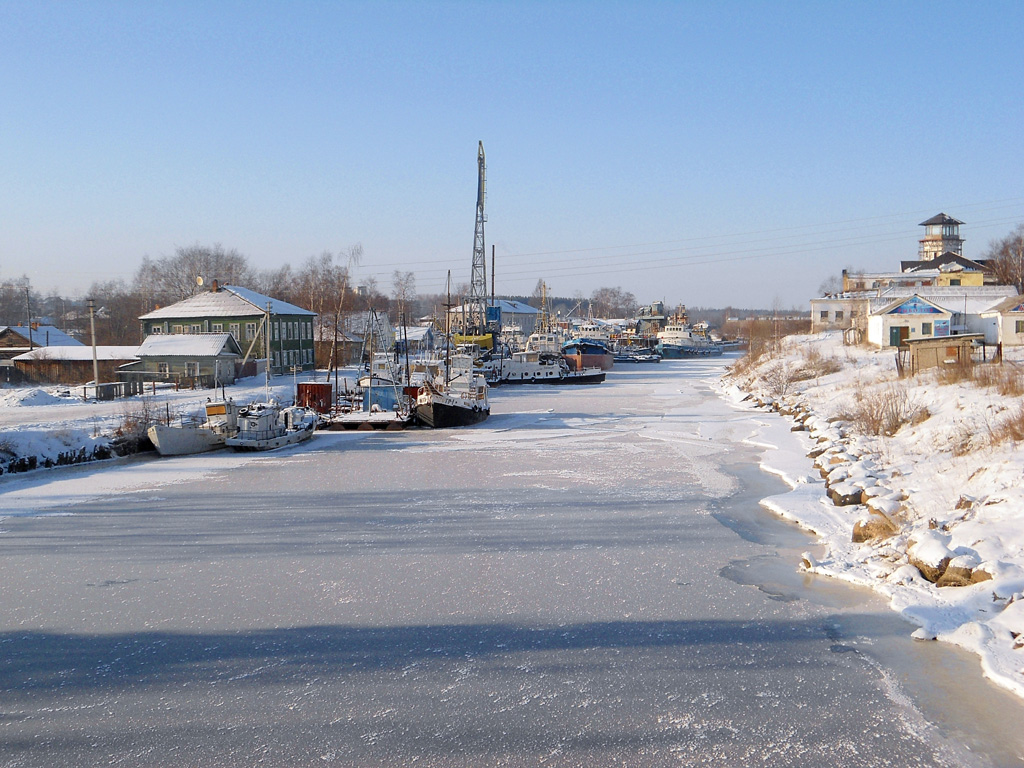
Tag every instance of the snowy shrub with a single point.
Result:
(136, 417)
(1006, 379)
(777, 377)
(885, 412)
(1010, 428)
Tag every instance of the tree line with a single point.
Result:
(325, 284)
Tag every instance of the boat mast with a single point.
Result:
(266, 343)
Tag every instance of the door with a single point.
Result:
(897, 335)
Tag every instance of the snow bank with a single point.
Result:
(931, 516)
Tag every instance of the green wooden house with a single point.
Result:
(251, 318)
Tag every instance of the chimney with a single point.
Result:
(214, 287)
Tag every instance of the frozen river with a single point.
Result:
(586, 579)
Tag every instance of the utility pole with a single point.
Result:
(95, 360)
(28, 319)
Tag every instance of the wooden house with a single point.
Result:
(186, 359)
(249, 317)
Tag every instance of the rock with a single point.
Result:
(929, 552)
(873, 527)
(845, 494)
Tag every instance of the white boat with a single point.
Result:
(266, 426)
(683, 340)
(545, 341)
(538, 368)
(197, 436)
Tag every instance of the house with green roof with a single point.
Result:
(255, 321)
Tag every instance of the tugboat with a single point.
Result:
(266, 426)
(453, 401)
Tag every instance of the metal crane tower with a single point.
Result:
(477, 309)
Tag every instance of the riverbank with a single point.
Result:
(913, 486)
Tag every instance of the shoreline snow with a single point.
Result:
(940, 501)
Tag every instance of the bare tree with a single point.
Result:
(1006, 258)
(118, 307)
(613, 302)
(403, 290)
(172, 278)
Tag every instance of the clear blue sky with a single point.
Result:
(712, 154)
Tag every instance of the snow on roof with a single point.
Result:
(81, 352)
(415, 332)
(1009, 304)
(228, 301)
(44, 335)
(970, 299)
(187, 344)
(507, 307)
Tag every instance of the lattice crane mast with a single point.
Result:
(477, 309)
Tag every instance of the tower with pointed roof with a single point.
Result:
(941, 235)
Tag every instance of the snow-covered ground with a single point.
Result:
(944, 490)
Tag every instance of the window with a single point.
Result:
(277, 331)
(955, 281)
(191, 369)
(218, 327)
(164, 368)
(1019, 326)
(824, 315)
(250, 331)
(178, 329)
(839, 315)
(156, 329)
(926, 329)
(196, 329)
(234, 331)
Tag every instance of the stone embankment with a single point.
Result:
(863, 490)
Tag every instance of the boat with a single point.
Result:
(637, 356)
(538, 368)
(587, 353)
(197, 435)
(679, 339)
(456, 396)
(266, 426)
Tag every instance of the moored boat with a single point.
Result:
(455, 397)
(587, 353)
(539, 368)
(266, 426)
(196, 436)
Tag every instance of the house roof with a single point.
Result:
(43, 335)
(1007, 305)
(915, 305)
(189, 345)
(227, 301)
(507, 307)
(940, 218)
(79, 353)
(945, 260)
(969, 299)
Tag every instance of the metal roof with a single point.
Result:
(44, 335)
(228, 301)
(81, 352)
(940, 218)
(188, 345)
